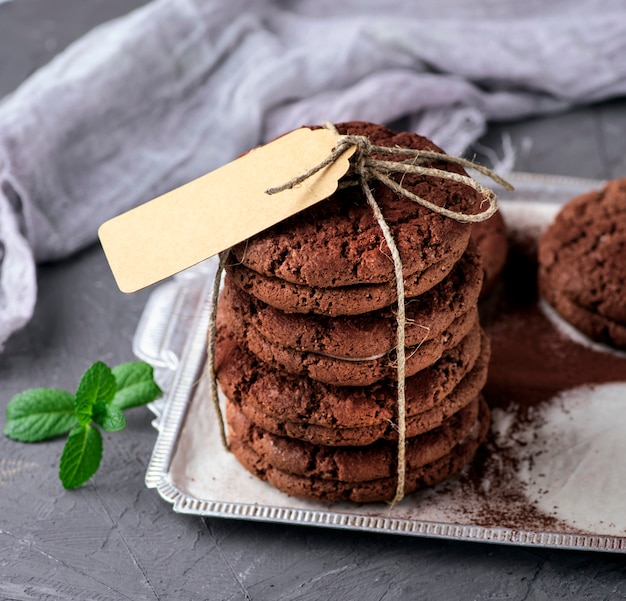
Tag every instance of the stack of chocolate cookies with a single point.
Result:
(305, 349)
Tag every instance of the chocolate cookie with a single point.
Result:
(296, 406)
(292, 398)
(366, 335)
(351, 372)
(582, 265)
(380, 489)
(417, 424)
(491, 239)
(338, 242)
(350, 464)
(342, 300)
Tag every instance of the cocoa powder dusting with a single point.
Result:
(532, 361)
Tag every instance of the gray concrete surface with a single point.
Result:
(116, 540)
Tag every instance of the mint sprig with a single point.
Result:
(102, 396)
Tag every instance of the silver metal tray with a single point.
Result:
(190, 469)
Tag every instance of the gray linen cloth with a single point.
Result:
(150, 101)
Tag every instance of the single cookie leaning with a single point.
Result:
(379, 489)
(365, 335)
(338, 242)
(582, 265)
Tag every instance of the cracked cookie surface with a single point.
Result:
(582, 263)
(296, 406)
(378, 489)
(363, 335)
(338, 241)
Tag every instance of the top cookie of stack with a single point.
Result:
(309, 308)
(332, 258)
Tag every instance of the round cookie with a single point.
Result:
(338, 242)
(582, 270)
(291, 398)
(342, 300)
(308, 410)
(351, 372)
(461, 396)
(350, 464)
(366, 335)
(382, 489)
(593, 325)
(491, 239)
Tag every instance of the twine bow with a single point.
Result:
(365, 168)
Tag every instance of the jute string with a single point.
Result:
(212, 337)
(364, 169)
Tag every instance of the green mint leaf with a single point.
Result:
(38, 414)
(102, 396)
(81, 456)
(135, 385)
(109, 417)
(96, 386)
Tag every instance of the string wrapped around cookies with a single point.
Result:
(366, 168)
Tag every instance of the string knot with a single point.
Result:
(412, 161)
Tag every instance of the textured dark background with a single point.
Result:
(114, 539)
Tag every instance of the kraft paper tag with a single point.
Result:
(212, 213)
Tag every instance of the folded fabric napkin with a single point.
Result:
(177, 88)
